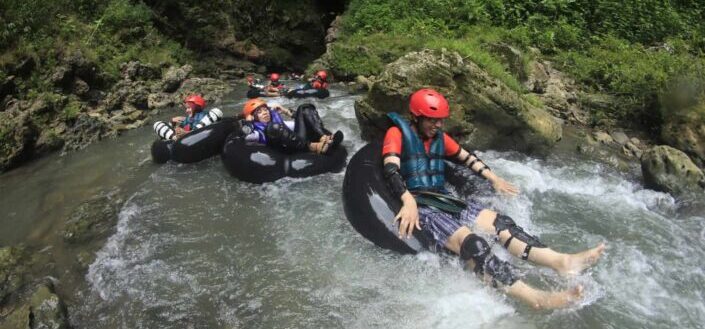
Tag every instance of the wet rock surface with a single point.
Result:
(92, 220)
(83, 114)
(667, 169)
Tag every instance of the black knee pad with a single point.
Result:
(477, 249)
(503, 222)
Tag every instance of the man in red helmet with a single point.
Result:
(319, 80)
(275, 87)
(414, 163)
(195, 118)
(193, 105)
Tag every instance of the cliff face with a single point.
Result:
(277, 34)
(65, 81)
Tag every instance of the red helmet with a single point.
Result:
(274, 77)
(197, 100)
(321, 74)
(429, 103)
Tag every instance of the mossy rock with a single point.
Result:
(92, 220)
(670, 170)
(14, 264)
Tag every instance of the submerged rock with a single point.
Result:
(504, 118)
(667, 169)
(92, 220)
(13, 270)
(44, 310)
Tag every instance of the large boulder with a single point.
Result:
(174, 76)
(212, 90)
(687, 134)
(136, 70)
(667, 169)
(502, 118)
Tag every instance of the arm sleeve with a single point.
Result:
(452, 147)
(392, 142)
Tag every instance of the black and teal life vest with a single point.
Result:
(422, 171)
(190, 123)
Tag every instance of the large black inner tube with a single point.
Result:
(370, 207)
(195, 146)
(257, 163)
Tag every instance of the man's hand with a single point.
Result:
(179, 133)
(504, 187)
(408, 216)
(177, 120)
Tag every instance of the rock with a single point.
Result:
(364, 82)
(80, 87)
(135, 70)
(7, 86)
(62, 76)
(174, 76)
(687, 134)
(43, 310)
(48, 312)
(159, 100)
(334, 29)
(86, 129)
(18, 319)
(620, 137)
(92, 220)
(632, 150)
(512, 58)
(14, 264)
(603, 137)
(212, 90)
(508, 121)
(134, 93)
(667, 169)
(17, 138)
(635, 141)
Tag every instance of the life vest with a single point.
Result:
(319, 85)
(260, 127)
(190, 122)
(422, 171)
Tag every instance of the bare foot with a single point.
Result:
(576, 263)
(558, 299)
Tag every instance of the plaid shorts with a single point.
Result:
(439, 225)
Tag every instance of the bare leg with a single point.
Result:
(565, 264)
(535, 298)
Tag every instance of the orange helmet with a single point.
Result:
(251, 105)
(322, 74)
(197, 100)
(274, 77)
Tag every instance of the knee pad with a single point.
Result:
(503, 222)
(164, 130)
(477, 249)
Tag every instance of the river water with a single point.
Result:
(195, 248)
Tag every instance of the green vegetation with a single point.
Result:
(635, 51)
(106, 33)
